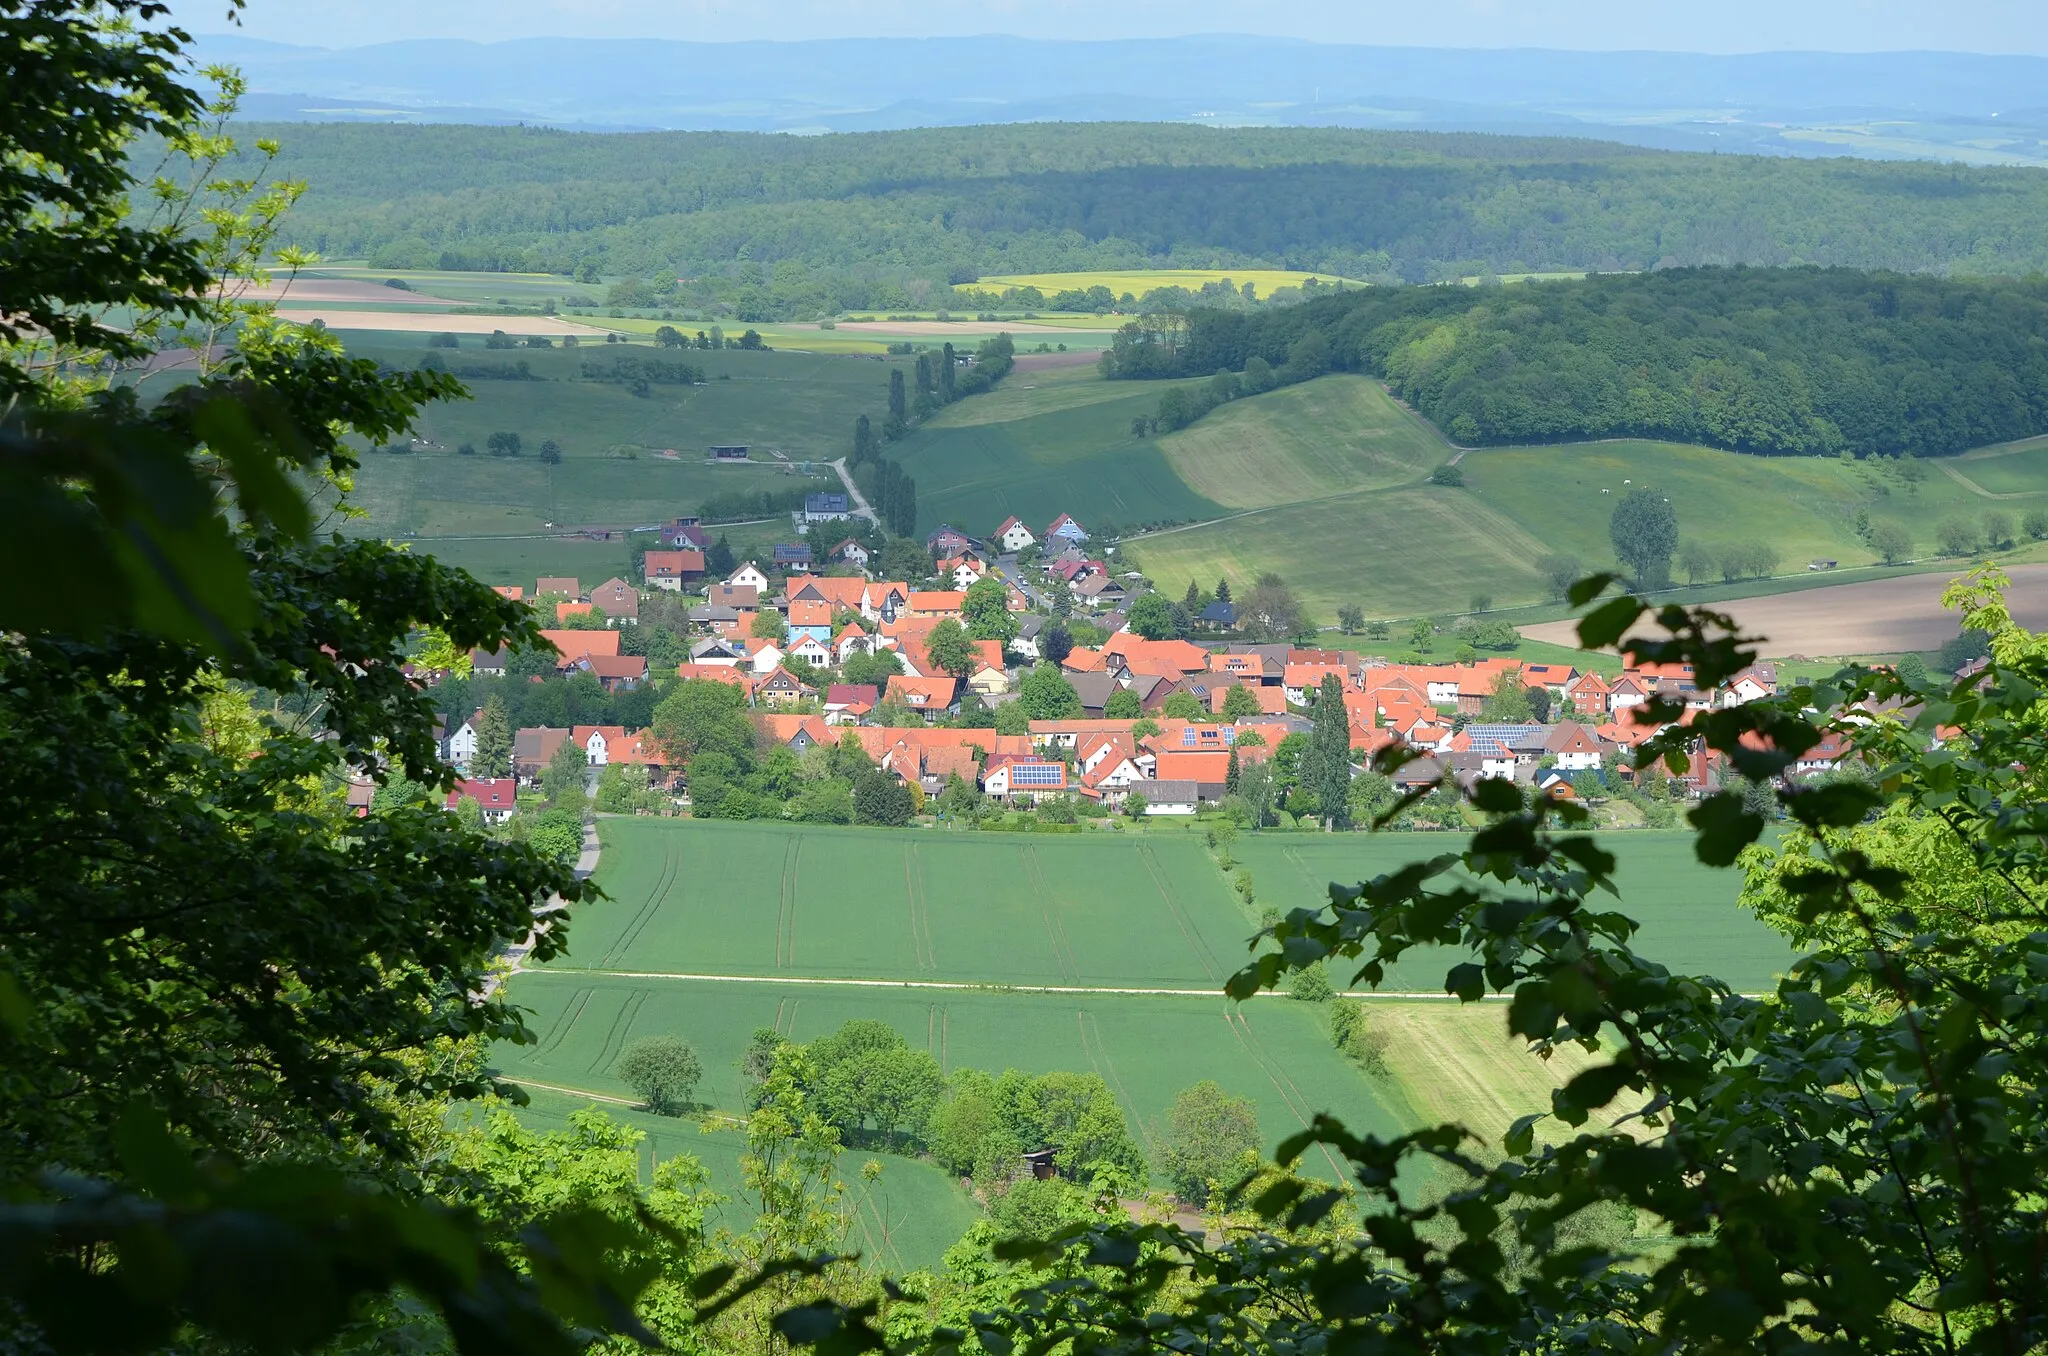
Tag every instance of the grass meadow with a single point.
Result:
(1139, 281)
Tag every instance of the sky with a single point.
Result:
(1992, 26)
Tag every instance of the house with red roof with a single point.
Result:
(497, 797)
(1012, 536)
(937, 604)
(1589, 695)
(849, 703)
(1006, 776)
(563, 585)
(780, 687)
(615, 671)
(671, 570)
(618, 600)
(932, 697)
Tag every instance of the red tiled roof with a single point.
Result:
(574, 644)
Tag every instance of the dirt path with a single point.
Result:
(861, 507)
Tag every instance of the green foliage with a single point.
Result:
(1151, 617)
(1211, 1141)
(881, 798)
(1892, 542)
(1045, 694)
(662, 1071)
(557, 834)
(1644, 530)
(1325, 767)
(1122, 704)
(949, 648)
(1508, 703)
(866, 1081)
(1447, 475)
(986, 610)
(562, 780)
(1182, 706)
(986, 1123)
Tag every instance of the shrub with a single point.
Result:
(1453, 476)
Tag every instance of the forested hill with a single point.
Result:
(1769, 360)
(815, 221)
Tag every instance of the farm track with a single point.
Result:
(920, 909)
(972, 986)
(671, 867)
(565, 1023)
(1055, 931)
(572, 1092)
(1200, 948)
(1290, 1092)
(1099, 1056)
(785, 905)
(615, 1037)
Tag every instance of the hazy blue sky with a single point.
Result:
(2014, 26)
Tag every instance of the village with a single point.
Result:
(969, 674)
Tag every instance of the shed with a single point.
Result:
(729, 452)
(1040, 1163)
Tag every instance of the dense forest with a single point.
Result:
(796, 226)
(1765, 360)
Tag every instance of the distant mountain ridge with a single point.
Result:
(1783, 102)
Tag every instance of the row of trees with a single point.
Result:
(1779, 360)
(891, 492)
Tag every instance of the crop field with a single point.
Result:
(2011, 470)
(714, 898)
(1080, 458)
(906, 1220)
(1339, 434)
(1147, 1049)
(1026, 395)
(1689, 915)
(470, 289)
(1138, 282)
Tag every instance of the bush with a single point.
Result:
(1352, 1033)
(1453, 476)
(662, 1071)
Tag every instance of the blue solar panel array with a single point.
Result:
(1037, 774)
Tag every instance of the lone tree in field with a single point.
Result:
(1891, 542)
(662, 1071)
(1645, 533)
(1211, 1137)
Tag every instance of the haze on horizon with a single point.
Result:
(1995, 27)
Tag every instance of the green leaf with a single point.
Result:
(1609, 622)
(1521, 1136)
(1585, 590)
(1725, 828)
(152, 1157)
(1467, 981)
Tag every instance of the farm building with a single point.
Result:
(826, 507)
(1167, 798)
(729, 452)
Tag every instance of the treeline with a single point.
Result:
(1802, 360)
(631, 370)
(940, 380)
(777, 227)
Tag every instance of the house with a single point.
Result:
(937, 604)
(1013, 536)
(618, 600)
(574, 645)
(1166, 798)
(932, 696)
(780, 687)
(810, 619)
(567, 586)
(1100, 591)
(684, 534)
(1589, 695)
(1065, 531)
(1029, 627)
(792, 559)
(1219, 615)
(1301, 682)
(532, 748)
(748, 575)
(672, 569)
(564, 611)
(512, 591)
(948, 541)
(1553, 678)
(1094, 689)
(490, 663)
(759, 655)
(812, 651)
(850, 641)
(1628, 690)
(826, 507)
(962, 570)
(1576, 748)
(848, 552)
(598, 741)
(1752, 684)
(497, 797)
(726, 671)
(459, 749)
(849, 702)
(729, 452)
(794, 732)
(615, 671)
(716, 650)
(882, 600)
(986, 674)
(1209, 769)
(1008, 775)
(738, 597)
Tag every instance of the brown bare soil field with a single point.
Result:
(1880, 616)
(1039, 362)
(314, 290)
(428, 322)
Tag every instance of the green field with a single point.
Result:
(1689, 915)
(1074, 455)
(2013, 469)
(770, 899)
(1147, 1048)
(1413, 549)
(1339, 434)
(905, 1221)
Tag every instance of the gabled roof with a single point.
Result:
(616, 666)
(810, 614)
(937, 600)
(492, 793)
(512, 591)
(575, 644)
(673, 564)
(712, 673)
(564, 611)
(925, 694)
(563, 584)
(852, 694)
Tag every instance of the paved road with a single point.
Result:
(861, 508)
(516, 954)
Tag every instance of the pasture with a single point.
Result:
(1138, 281)
(1689, 916)
(767, 899)
(1339, 434)
(1409, 548)
(1276, 1052)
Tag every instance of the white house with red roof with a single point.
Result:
(1012, 536)
(1007, 775)
(497, 797)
